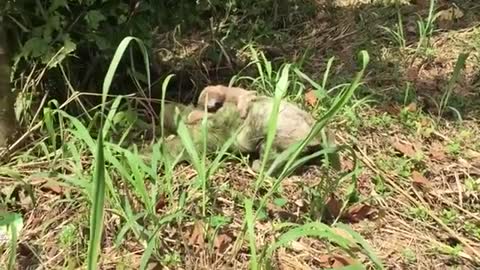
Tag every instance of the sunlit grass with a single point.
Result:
(129, 181)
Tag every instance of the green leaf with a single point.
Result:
(94, 18)
(56, 4)
(218, 221)
(96, 216)
(280, 201)
(34, 47)
(10, 226)
(250, 218)
(68, 47)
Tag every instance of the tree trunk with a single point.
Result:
(7, 115)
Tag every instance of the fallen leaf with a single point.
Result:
(437, 152)
(299, 203)
(37, 180)
(358, 212)
(52, 186)
(333, 206)
(154, 266)
(347, 164)
(406, 149)
(297, 246)
(411, 74)
(421, 4)
(450, 14)
(419, 180)
(335, 261)
(338, 261)
(472, 155)
(196, 237)
(26, 199)
(425, 122)
(278, 211)
(310, 98)
(412, 107)
(161, 203)
(411, 28)
(221, 242)
(392, 109)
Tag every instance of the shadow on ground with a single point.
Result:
(341, 31)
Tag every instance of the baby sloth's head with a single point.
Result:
(212, 97)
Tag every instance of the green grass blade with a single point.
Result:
(96, 216)
(111, 114)
(317, 229)
(369, 251)
(459, 66)
(280, 90)
(162, 107)
(249, 217)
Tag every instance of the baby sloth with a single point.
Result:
(213, 97)
(293, 125)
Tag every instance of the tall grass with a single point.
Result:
(294, 151)
(290, 159)
(459, 66)
(131, 186)
(426, 27)
(98, 191)
(397, 34)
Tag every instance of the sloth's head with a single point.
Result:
(212, 97)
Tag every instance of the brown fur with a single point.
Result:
(194, 116)
(214, 96)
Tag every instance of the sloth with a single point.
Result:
(225, 120)
(213, 97)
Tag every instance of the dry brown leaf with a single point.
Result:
(450, 14)
(392, 109)
(406, 149)
(26, 200)
(37, 180)
(472, 155)
(278, 211)
(333, 206)
(161, 203)
(154, 266)
(196, 237)
(298, 247)
(310, 98)
(412, 107)
(52, 186)
(358, 212)
(411, 74)
(424, 122)
(335, 261)
(419, 180)
(221, 242)
(347, 164)
(421, 4)
(437, 152)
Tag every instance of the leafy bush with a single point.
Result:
(83, 35)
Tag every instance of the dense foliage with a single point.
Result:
(82, 35)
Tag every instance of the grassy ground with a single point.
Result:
(413, 195)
